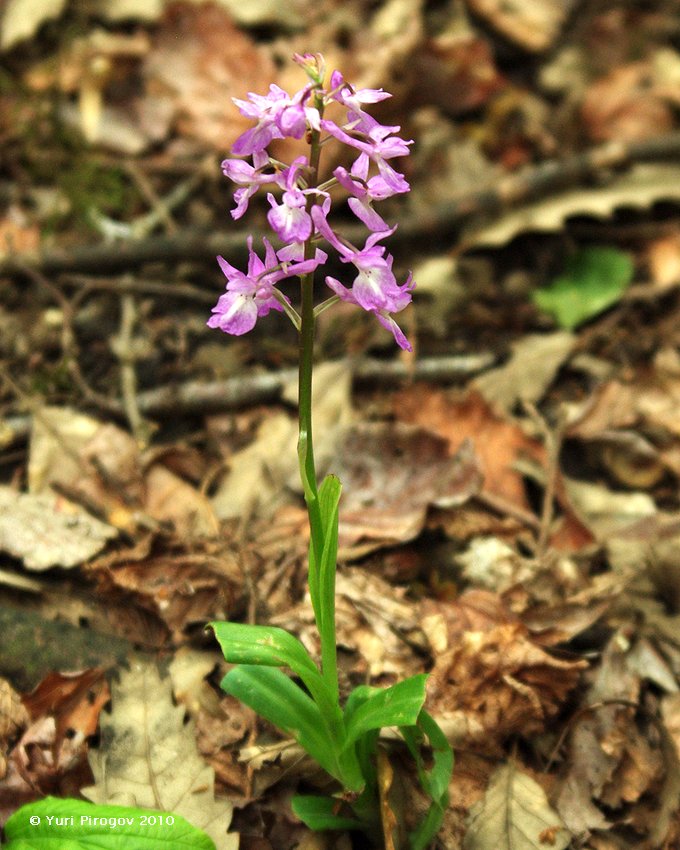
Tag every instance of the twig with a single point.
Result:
(553, 438)
(124, 347)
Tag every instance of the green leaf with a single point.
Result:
(329, 499)
(435, 782)
(54, 824)
(271, 694)
(273, 647)
(593, 280)
(318, 813)
(398, 705)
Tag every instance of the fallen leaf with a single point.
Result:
(13, 719)
(47, 531)
(514, 815)
(171, 499)
(148, 757)
(390, 474)
(189, 66)
(643, 185)
(497, 442)
(21, 19)
(606, 512)
(373, 620)
(17, 235)
(490, 679)
(182, 586)
(533, 24)
(663, 260)
(534, 361)
(626, 106)
(260, 473)
(74, 700)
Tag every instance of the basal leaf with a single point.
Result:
(319, 813)
(271, 694)
(398, 705)
(274, 647)
(329, 499)
(593, 280)
(56, 824)
(434, 782)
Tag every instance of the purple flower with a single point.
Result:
(364, 190)
(249, 177)
(353, 99)
(379, 146)
(289, 219)
(278, 115)
(251, 295)
(374, 288)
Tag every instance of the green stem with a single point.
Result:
(305, 438)
(325, 619)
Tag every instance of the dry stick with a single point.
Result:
(529, 184)
(553, 441)
(124, 349)
(125, 283)
(201, 397)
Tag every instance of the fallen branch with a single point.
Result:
(202, 397)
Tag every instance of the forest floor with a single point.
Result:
(511, 513)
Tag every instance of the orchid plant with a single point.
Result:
(344, 740)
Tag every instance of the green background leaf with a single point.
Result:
(593, 280)
(21, 834)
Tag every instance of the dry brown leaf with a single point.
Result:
(495, 681)
(531, 368)
(17, 234)
(190, 67)
(181, 586)
(460, 71)
(663, 260)
(497, 442)
(13, 719)
(170, 499)
(390, 474)
(74, 700)
(624, 106)
(148, 757)
(373, 620)
(48, 531)
(533, 24)
(514, 814)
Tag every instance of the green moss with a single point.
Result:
(89, 185)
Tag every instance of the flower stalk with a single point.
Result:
(344, 740)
